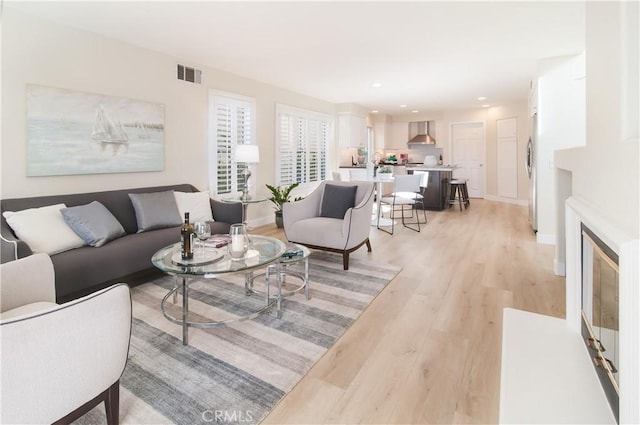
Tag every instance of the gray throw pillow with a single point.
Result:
(336, 200)
(93, 222)
(155, 210)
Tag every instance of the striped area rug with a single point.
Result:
(236, 373)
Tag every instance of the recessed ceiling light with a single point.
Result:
(376, 85)
(375, 111)
(415, 111)
(486, 105)
(403, 106)
(482, 98)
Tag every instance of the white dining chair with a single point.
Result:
(406, 192)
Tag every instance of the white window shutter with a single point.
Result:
(302, 142)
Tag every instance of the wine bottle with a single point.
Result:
(186, 238)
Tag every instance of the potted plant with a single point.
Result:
(280, 195)
(385, 173)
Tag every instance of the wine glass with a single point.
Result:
(203, 231)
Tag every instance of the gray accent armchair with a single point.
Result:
(59, 360)
(304, 225)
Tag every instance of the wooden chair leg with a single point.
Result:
(345, 260)
(368, 245)
(112, 404)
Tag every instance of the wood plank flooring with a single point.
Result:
(427, 350)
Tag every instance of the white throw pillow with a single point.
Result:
(43, 229)
(197, 204)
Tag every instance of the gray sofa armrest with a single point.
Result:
(11, 248)
(228, 212)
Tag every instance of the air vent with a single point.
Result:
(189, 74)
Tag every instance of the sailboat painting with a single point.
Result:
(71, 132)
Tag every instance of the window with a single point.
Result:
(302, 139)
(231, 122)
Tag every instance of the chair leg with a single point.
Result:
(392, 222)
(345, 260)
(417, 222)
(112, 404)
(368, 245)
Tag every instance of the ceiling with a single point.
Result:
(429, 56)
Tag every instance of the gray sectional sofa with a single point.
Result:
(83, 270)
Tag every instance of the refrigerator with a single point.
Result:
(531, 172)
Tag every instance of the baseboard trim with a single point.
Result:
(270, 219)
(521, 202)
(559, 268)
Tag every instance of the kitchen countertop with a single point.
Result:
(418, 167)
(436, 168)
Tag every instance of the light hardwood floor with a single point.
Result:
(427, 350)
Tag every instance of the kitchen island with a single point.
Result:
(434, 185)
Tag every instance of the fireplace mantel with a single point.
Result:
(547, 376)
(627, 246)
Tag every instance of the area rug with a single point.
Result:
(236, 374)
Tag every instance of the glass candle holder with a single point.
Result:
(239, 241)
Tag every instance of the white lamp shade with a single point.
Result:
(247, 153)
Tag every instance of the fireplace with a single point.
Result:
(607, 301)
(600, 312)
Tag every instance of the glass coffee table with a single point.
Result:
(212, 263)
(294, 254)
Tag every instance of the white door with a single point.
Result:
(507, 141)
(468, 153)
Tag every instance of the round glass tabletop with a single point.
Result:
(265, 250)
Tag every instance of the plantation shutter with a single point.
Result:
(286, 151)
(302, 142)
(224, 149)
(233, 125)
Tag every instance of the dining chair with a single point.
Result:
(406, 192)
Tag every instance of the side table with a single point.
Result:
(302, 254)
(245, 203)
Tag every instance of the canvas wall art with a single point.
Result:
(71, 132)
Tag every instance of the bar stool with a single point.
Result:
(458, 193)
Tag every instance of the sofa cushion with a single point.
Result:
(155, 210)
(93, 223)
(336, 200)
(43, 229)
(197, 204)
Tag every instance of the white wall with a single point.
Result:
(36, 51)
(605, 172)
(561, 124)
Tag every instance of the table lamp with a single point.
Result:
(249, 154)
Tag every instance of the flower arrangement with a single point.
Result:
(385, 173)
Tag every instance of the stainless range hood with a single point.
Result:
(420, 133)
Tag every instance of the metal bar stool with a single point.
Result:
(458, 193)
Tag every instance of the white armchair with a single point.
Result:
(306, 221)
(59, 361)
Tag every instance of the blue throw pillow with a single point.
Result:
(336, 200)
(93, 222)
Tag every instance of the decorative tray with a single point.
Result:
(200, 258)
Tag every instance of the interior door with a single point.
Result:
(468, 153)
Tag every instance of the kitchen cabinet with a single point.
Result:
(400, 136)
(399, 170)
(352, 131)
(435, 192)
(382, 135)
(352, 173)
